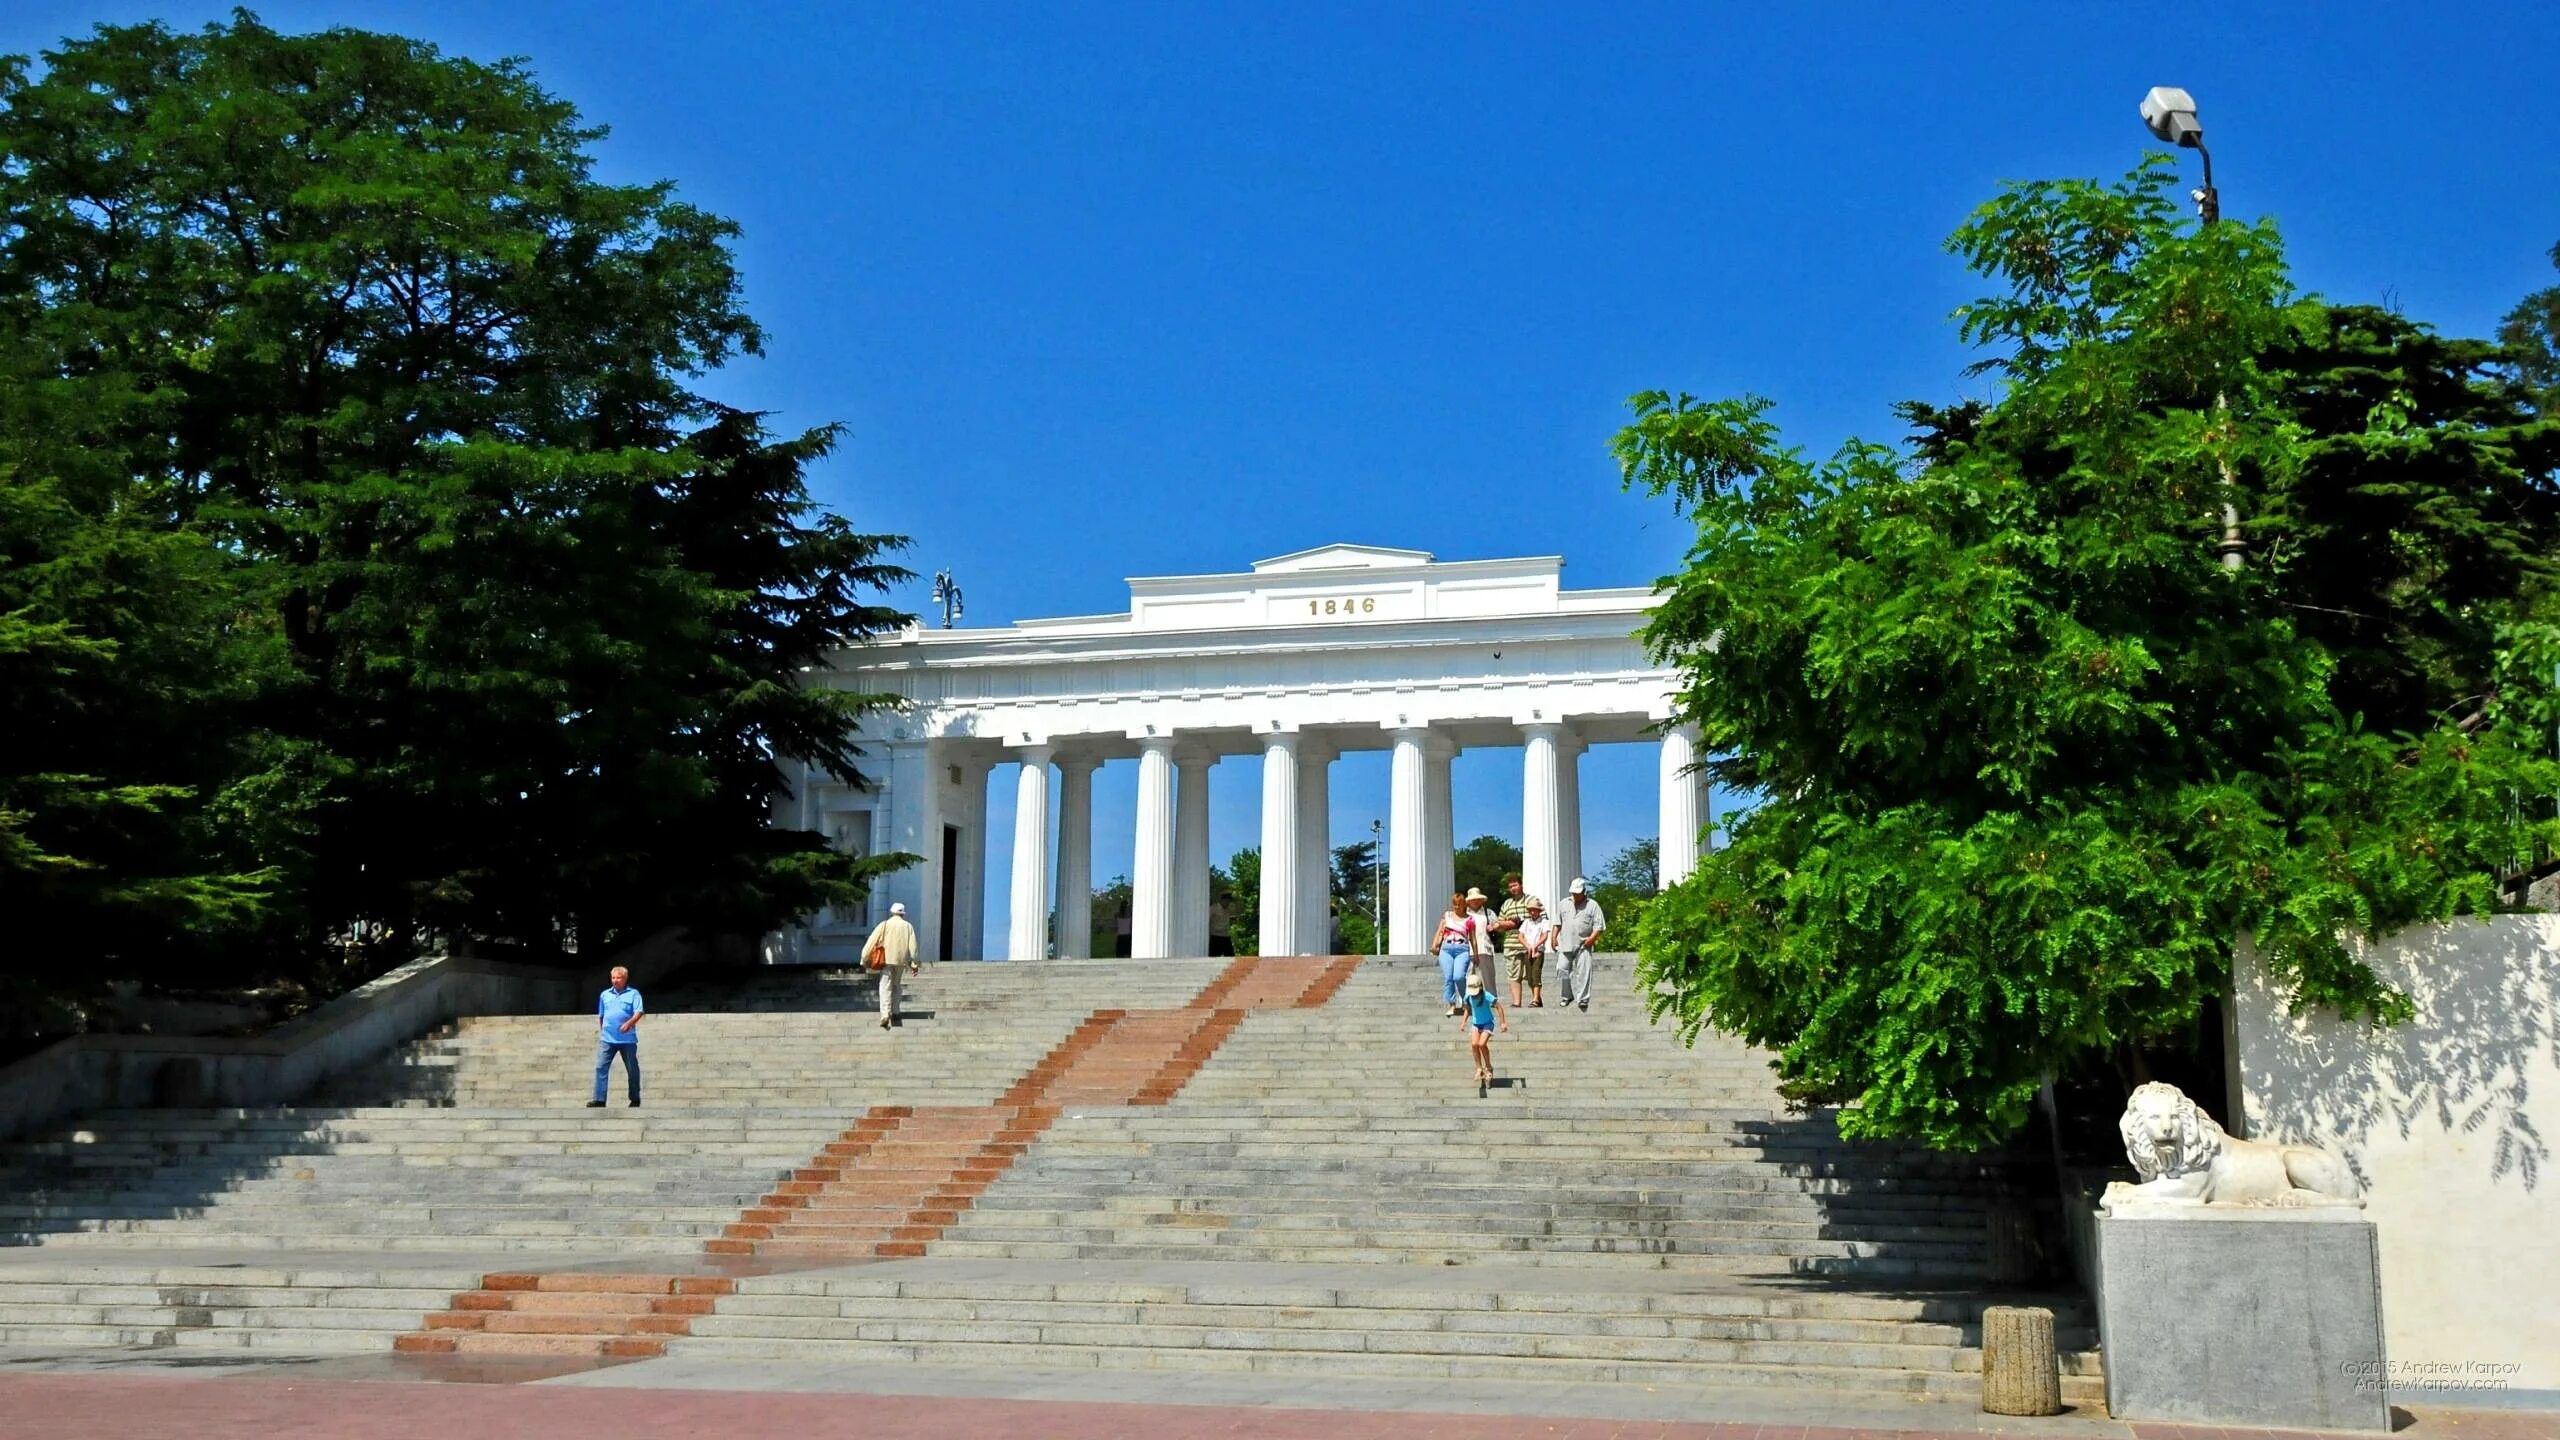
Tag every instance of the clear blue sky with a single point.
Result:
(1123, 289)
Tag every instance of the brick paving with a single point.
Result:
(86, 1407)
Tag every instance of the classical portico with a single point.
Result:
(1297, 661)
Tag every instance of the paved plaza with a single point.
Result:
(57, 1397)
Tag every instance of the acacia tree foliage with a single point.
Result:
(1624, 887)
(1481, 863)
(474, 617)
(2029, 759)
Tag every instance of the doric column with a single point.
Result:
(1542, 871)
(1281, 849)
(1410, 904)
(1569, 805)
(1030, 907)
(1075, 857)
(915, 826)
(969, 894)
(1683, 804)
(1444, 845)
(1315, 847)
(1151, 872)
(1191, 857)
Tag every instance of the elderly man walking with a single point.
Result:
(1577, 936)
(618, 1012)
(1525, 962)
(892, 945)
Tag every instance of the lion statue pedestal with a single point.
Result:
(2239, 1282)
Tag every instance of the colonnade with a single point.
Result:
(1169, 877)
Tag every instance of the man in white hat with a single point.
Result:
(1577, 936)
(891, 946)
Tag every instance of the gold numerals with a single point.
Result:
(1362, 605)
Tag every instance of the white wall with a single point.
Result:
(2450, 1120)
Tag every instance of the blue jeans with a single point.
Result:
(629, 1050)
(1454, 959)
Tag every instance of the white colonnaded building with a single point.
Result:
(1298, 660)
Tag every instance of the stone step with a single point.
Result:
(1699, 1342)
(1630, 1259)
(582, 1243)
(271, 1298)
(1950, 1383)
(277, 1339)
(154, 1316)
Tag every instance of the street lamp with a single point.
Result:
(2171, 114)
(1377, 888)
(946, 595)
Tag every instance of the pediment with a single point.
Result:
(1341, 557)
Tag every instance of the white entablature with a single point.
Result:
(1299, 659)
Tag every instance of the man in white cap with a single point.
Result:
(1577, 936)
(891, 946)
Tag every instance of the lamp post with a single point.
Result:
(1377, 888)
(946, 595)
(2171, 114)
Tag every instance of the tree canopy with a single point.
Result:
(370, 565)
(2029, 760)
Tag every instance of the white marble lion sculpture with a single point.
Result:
(2186, 1159)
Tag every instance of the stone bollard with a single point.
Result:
(2021, 1375)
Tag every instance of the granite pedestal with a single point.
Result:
(2219, 1315)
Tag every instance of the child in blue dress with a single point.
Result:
(1483, 1013)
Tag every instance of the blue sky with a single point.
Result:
(1125, 289)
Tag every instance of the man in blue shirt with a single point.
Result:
(618, 1033)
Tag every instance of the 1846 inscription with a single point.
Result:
(1348, 605)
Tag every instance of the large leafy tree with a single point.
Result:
(2030, 760)
(505, 621)
(1481, 863)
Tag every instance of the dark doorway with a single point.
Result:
(950, 888)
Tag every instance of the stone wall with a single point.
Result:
(2450, 1120)
(114, 1072)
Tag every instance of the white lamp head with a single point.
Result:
(2171, 114)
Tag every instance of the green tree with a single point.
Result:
(521, 617)
(1623, 887)
(1481, 863)
(116, 681)
(2028, 759)
(2531, 335)
(1111, 905)
(1243, 891)
(1357, 893)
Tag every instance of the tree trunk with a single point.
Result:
(2021, 1375)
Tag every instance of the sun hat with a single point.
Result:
(1580, 888)
(1475, 983)
(1474, 894)
(899, 908)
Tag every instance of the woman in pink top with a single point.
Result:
(1455, 942)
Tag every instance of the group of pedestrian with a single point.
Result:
(1470, 935)
(890, 948)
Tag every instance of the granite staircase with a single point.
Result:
(1278, 1167)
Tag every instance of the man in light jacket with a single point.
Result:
(1577, 936)
(895, 939)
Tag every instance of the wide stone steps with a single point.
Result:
(1619, 1210)
(308, 1310)
(1629, 1259)
(1846, 1343)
